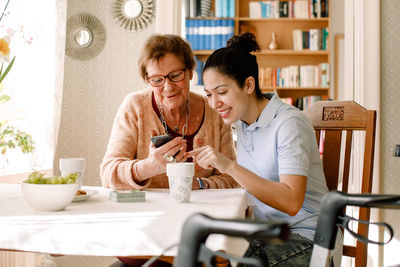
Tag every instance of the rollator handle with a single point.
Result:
(332, 207)
(198, 227)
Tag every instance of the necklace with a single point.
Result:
(185, 126)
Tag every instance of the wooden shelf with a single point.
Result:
(294, 88)
(291, 20)
(276, 52)
(265, 19)
(296, 92)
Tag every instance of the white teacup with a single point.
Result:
(180, 177)
(71, 165)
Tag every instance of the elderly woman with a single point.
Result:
(165, 106)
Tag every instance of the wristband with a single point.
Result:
(201, 183)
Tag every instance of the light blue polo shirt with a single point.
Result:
(282, 141)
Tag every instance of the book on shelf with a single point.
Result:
(199, 70)
(301, 9)
(324, 8)
(305, 39)
(284, 9)
(325, 79)
(325, 38)
(224, 8)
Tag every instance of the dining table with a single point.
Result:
(99, 226)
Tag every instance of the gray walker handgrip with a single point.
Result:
(199, 226)
(332, 206)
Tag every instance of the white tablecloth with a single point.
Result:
(100, 227)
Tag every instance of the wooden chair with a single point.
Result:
(334, 123)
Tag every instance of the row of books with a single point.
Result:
(304, 102)
(208, 34)
(313, 39)
(289, 9)
(295, 76)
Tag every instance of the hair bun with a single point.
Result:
(246, 42)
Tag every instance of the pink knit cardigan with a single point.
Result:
(130, 137)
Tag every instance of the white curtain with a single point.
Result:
(36, 80)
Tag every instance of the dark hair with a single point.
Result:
(236, 61)
(159, 45)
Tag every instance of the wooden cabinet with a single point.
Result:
(285, 55)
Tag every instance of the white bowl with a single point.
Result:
(49, 197)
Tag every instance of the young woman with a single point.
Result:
(278, 161)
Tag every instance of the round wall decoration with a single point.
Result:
(85, 38)
(133, 15)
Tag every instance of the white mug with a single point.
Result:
(71, 165)
(180, 177)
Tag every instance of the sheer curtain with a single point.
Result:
(35, 81)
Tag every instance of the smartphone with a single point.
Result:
(160, 140)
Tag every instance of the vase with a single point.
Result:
(273, 45)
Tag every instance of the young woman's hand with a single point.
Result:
(208, 157)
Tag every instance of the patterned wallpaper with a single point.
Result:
(390, 117)
(94, 89)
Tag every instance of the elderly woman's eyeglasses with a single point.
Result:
(173, 76)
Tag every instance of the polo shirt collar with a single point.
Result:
(268, 114)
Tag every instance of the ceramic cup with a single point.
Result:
(180, 177)
(71, 165)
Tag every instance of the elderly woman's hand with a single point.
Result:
(160, 156)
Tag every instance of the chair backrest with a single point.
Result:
(334, 123)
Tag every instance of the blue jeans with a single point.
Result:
(295, 252)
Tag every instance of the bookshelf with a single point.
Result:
(285, 55)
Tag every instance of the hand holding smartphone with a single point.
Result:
(160, 140)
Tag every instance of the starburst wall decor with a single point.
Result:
(85, 38)
(133, 15)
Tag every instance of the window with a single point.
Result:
(34, 80)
